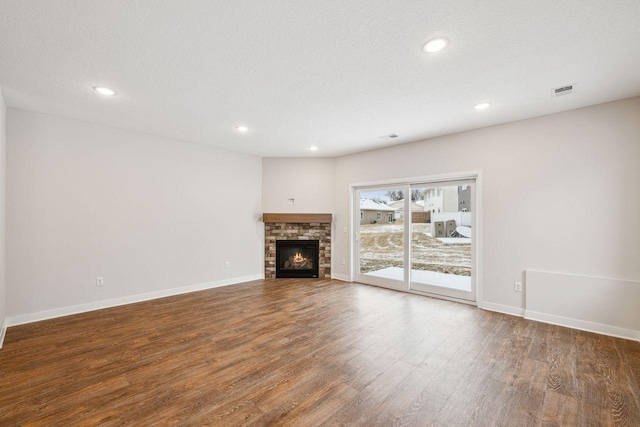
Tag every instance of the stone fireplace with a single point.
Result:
(298, 230)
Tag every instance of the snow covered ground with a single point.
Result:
(381, 246)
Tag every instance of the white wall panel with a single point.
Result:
(595, 304)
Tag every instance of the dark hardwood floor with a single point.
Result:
(313, 352)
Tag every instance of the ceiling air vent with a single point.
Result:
(563, 90)
(390, 136)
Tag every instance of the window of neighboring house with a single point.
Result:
(378, 215)
(439, 192)
(390, 217)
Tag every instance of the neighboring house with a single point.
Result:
(449, 204)
(418, 213)
(399, 205)
(441, 199)
(372, 212)
(464, 198)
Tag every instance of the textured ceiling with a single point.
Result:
(336, 74)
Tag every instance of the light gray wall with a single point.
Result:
(146, 213)
(309, 181)
(559, 193)
(3, 169)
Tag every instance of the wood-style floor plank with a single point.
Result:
(301, 352)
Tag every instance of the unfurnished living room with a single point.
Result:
(366, 212)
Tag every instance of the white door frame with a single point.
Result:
(430, 179)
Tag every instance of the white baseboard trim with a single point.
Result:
(3, 331)
(342, 277)
(99, 305)
(583, 325)
(504, 309)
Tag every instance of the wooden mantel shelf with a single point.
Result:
(297, 217)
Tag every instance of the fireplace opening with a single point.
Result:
(297, 258)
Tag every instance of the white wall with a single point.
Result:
(3, 111)
(544, 183)
(309, 181)
(146, 213)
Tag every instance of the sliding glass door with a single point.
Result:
(418, 237)
(442, 240)
(380, 237)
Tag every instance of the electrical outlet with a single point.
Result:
(99, 281)
(517, 286)
(344, 261)
(345, 230)
(227, 264)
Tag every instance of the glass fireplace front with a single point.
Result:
(297, 258)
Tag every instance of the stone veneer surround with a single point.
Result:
(297, 231)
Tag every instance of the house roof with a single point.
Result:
(338, 75)
(370, 205)
(416, 205)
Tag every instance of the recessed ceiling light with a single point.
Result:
(242, 129)
(482, 106)
(313, 148)
(435, 45)
(104, 90)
